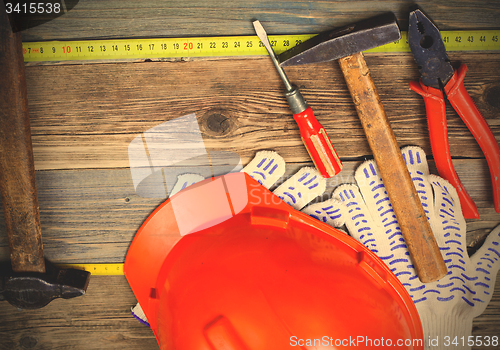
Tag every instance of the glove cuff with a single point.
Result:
(444, 329)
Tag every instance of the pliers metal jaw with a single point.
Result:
(438, 76)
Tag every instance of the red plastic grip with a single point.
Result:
(467, 110)
(438, 133)
(318, 144)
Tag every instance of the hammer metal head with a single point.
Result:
(345, 41)
(29, 290)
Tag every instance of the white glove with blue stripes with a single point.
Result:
(448, 306)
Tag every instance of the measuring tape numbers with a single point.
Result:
(152, 48)
(165, 48)
(103, 269)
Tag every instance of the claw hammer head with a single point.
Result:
(345, 41)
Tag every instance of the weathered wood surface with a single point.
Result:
(83, 117)
(171, 18)
(99, 320)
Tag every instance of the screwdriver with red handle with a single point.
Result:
(313, 134)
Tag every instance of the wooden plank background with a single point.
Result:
(83, 117)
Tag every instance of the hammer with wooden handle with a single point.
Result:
(28, 281)
(346, 44)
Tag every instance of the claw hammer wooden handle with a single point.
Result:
(422, 246)
(17, 171)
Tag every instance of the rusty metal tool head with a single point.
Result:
(344, 41)
(31, 290)
(29, 281)
(428, 51)
(346, 44)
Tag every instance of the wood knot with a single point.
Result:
(217, 123)
(492, 96)
(27, 342)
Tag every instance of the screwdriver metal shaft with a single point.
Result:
(313, 134)
(261, 33)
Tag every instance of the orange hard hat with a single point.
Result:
(225, 264)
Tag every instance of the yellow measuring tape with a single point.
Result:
(158, 48)
(97, 269)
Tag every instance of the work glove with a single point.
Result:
(448, 306)
(299, 190)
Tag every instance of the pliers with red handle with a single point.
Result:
(437, 75)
